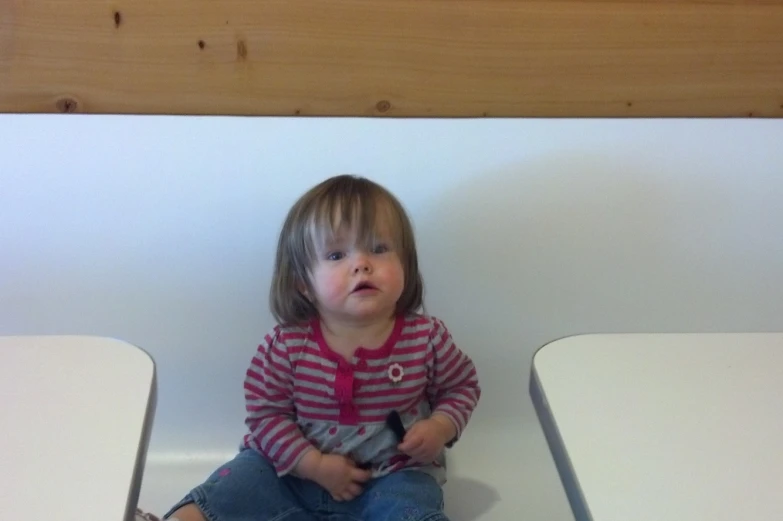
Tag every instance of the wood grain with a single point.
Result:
(435, 58)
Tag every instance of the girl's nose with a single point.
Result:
(362, 264)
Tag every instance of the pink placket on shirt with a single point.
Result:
(344, 387)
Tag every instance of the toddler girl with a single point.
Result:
(353, 396)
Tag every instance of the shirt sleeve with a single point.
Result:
(454, 387)
(270, 407)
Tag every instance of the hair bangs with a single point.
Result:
(348, 218)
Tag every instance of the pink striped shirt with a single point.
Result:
(299, 394)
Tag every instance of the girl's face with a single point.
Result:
(353, 282)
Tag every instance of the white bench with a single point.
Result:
(76, 415)
(674, 427)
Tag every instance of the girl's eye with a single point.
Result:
(335, 256)
(380, 248)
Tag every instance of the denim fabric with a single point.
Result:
(248, 489)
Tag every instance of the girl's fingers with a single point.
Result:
(360, 475)
(411, 444)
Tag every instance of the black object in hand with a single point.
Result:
(394, 422)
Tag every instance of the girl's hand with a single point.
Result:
(426, 439)
(340, 477)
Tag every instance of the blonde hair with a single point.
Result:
(343, 200)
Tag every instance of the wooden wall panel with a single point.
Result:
(587, 58)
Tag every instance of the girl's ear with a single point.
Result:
(302, 288)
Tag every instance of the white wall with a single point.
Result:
(160, 231)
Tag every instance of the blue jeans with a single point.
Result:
(248, 489)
